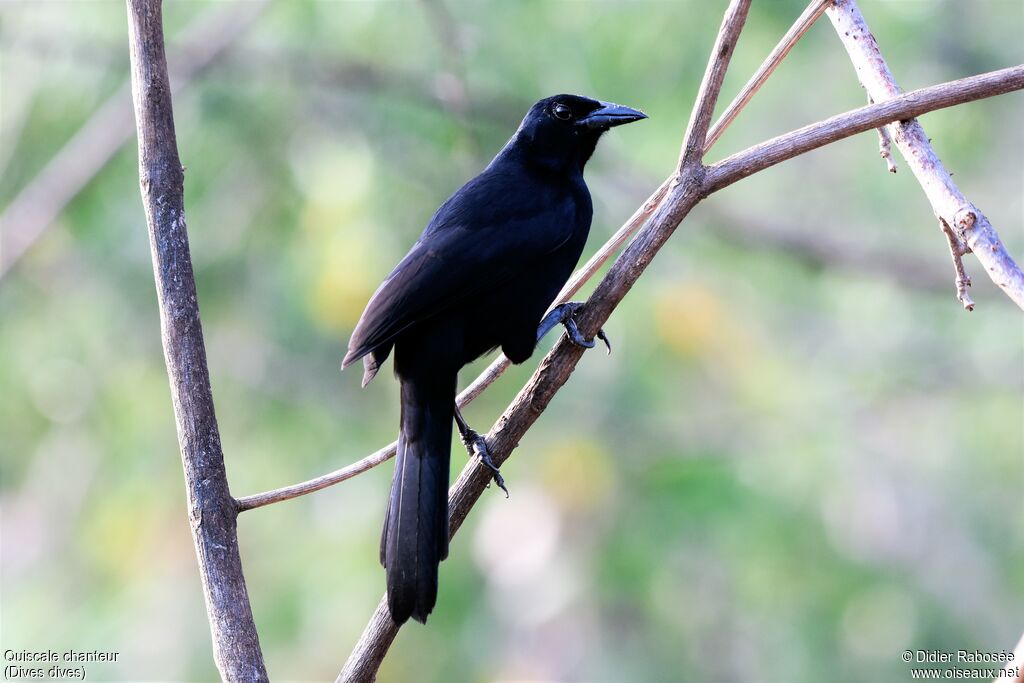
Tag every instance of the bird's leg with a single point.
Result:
(476, 445)
(564, 314)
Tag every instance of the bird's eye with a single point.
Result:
(561, 112)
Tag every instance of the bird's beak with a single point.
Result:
(610, 114)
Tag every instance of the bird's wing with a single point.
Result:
(478, 239)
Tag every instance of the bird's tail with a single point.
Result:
(415, 536)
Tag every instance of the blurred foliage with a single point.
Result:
(784, 472)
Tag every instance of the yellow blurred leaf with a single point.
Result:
(689, 318)
(578, 473)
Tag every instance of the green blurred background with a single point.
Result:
(802, 459)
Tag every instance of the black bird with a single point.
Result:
(486, 268)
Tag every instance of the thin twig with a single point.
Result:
(40, 202)
(694, 140)
(957, 249)
(947, 201)
(330, 479)
(771, 62)
(885, 145)
(211, 509)
(906, 106)
(885, 148)
(477, 386)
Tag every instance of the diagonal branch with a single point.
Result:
(948, 202)
(40, 202)
(694, 140)
(771, 62)
(211, 509)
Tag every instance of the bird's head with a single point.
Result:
(564, 129)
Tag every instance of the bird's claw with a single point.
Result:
(604, 337)
(565, 314)
(575, 336)
(477, 446)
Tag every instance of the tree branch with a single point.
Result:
(771, 62)
(885, 146)
(957, 249)
(908, 105)
(694, 140)
(258, 500)
(948, 202)
(40, 202)
(211, 509)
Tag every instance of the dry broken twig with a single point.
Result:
(885, 145)
(885, 149)
(957, 249)
(948, 202)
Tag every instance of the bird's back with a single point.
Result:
(496, 229)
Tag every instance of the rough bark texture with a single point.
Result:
(211, 509)
(948, 202)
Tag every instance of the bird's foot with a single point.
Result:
(565, 314)
(477, 446)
